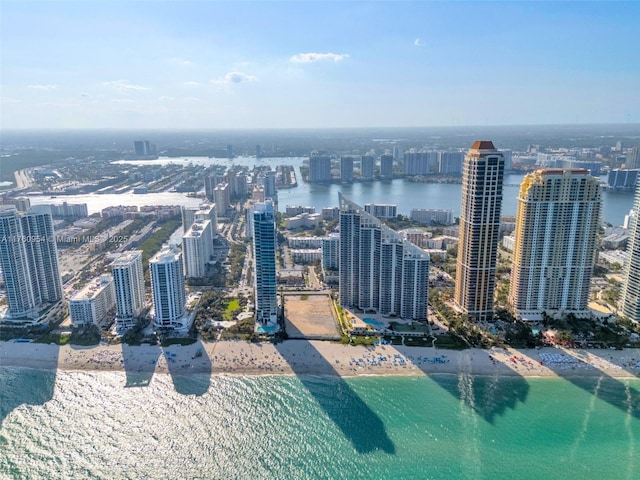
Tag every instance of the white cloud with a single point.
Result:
(419, 43)
(123, 86)
(180, 61)
(234, 77)
(165, 99)
(192, 83)
(42, 87)
(318, 57)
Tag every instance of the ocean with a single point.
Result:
(111, 425)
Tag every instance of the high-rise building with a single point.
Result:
(264, 272)
(378, 268)
(346, 169)
(29, 260)
(222, 198)
(366, 167)
(482, 180)
(128, 281)
(331, 252)
(95, 303)
(319, 168)
(167, 287)
(555, 242)
(631, 287)
(382, 210)
(197, 248)
(386, 166)
(633, 158)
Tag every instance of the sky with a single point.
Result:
(217, 65)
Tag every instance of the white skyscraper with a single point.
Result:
(167, 286)
(128, 281)
(197, 248)
(631, 286)
(29, 260)
(264, 254)
(379, 269)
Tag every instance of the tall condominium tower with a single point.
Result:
(346, 169)
(378, 268)
(264, 254)
(319, 168)
(167, 286)
(386, 166)
(482, 177)
(197, 248)
(366, 167)
(555, 242)
(29, 260)
(128, 282)
(631, 286)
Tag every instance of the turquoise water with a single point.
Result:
(91, 425)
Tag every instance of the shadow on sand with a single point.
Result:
(139, 362)
(358, 422)
(185, 361)
(28, 386)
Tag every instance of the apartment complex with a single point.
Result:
(379, 269)
(29, 261)
(555, 242)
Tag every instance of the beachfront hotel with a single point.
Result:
(167, 287)
(482, 179)
(379, 269)
(29, 260)
(555, 242)
(264, 255)
(128, 282)
(631, 286)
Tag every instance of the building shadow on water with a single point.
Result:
(139, 362)
(615, 391)
(361, 425)
(490, 396)
(189, 367)
(28, 386)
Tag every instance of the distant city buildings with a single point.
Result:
(380, 271)
(382, 210)
(631, 286)
(386, 167)
(319, 168)
(29, 261)
(367, 163)
(430, 216)
(167, 288)
(222, 199)
(555, 243)
(482, 182)
(624, 179)
(264, 271)
(128, 282)
(346, 169)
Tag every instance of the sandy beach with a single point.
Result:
(322, 358)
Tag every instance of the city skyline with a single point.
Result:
(163, 65)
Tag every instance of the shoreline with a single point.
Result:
(301, 357)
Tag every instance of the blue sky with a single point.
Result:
(205, 64)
